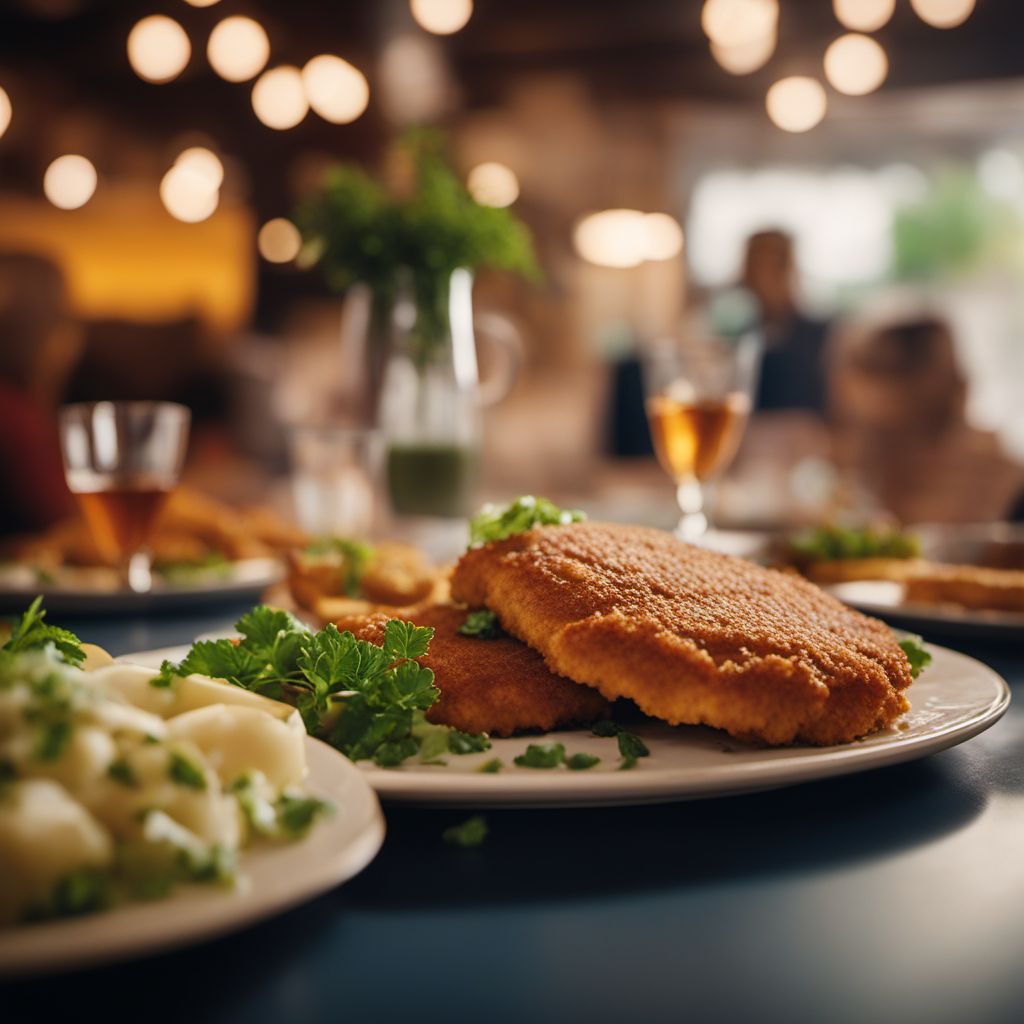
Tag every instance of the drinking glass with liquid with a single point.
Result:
(121, 461)
(698, 401)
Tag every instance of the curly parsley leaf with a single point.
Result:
(482, 624)
(467, 834)
(496, 523)
(917, 654)
(32, 631)
(631, 746)
(542, 755)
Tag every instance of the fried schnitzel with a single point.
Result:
(497, 686)
(690, 635)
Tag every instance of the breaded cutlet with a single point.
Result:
(690, 635)
(497, 686)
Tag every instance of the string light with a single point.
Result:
(201, 3)
(796, 104)
(279, 241)
(158, 49)
(336, 90)
(187, 195)
(731, 23)
(442, 17)
(238, 49)
(746, 57)
(279, 97)
(943, 13)
(626, 238)
(493, 184)
(204, 163)
(6, 111)
(856, 65)
(863, 15)
(69, 182)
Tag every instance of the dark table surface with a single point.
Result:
(892, 896)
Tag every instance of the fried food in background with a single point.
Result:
(849, 569)
(968, 586)
(692, 636)
(336, 577)
(840, 554)
(192, 529)
(497, 686)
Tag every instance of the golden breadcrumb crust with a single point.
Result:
(498, 686)
(690, 635)
(969, 586)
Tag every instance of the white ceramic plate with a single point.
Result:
(274, 878)
(78, 592)
(955, 699)
(885, 599)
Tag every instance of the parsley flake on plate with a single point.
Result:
(581, 762)
(467, 834)
(497, 523)
(542, 755)
(631, 746)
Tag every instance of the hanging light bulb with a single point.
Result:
(732, 23)
(204, 163)
(279, 241)
(187, 195)
(493, 184)
(863, 15)
(796, 104)
(279, 98)
(69, 182)
(336, 90)
(238, 49)
(6, 111)
(943, 13)
(158, 49)
(856, 65)
(442, 17)
(748, 57)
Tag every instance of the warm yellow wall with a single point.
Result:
(125, 257)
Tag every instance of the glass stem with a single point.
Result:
(139, 573)
(694, 522)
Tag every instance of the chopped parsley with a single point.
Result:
(482, 624)
(31, 631)
(581, 762)
(496, 523)
(542, 755)
(467, 834)
(51, 740)
(121, 771)
(296, 814)
(917, 654)
(631, 746)
(491, 767)
(606, 728)
(832, 543)
(367, 700)
(185, 772)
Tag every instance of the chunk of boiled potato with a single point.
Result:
(84, 759)
(95, 657)
(45, 835)
(236, 740)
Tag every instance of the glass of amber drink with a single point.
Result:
(698, 402)
(121, 461)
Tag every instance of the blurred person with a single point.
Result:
(38, 344)
(898, 399)
(792, 367)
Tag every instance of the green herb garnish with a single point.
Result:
(31, 631)
(495, 523)
(369, 701)
(606, 728)
(491, 767)
(296, 814)
(81, 892)
(581, 762)
(354, 554)
(121, 771)
(185, 772)
(917, 654)
(51, 740)
(482, 624)
(469, 833)
(630, 745)
(836, 543)
(542, 755)
(628, 763)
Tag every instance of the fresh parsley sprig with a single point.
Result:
(917, 654)
(369, 701)
(31, 631)
(494, 522)
(482, 624)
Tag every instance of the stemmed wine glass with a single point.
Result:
(121, 461)
(698, 402)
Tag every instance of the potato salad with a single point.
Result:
(117, 783)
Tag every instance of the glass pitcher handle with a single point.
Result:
(506, 341)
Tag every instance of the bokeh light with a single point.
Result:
(6, 111)
(238, 49)
(943, 13)
(732, 23)
(279, 97)
(201, 3)
(856, 65)
(864, 15)
(279, 241)
(336, 90)
(745, 58)
(626, 238)
(493, 184)
(187, 195)
(442, 17)
(69, 182)
(158, 49)
(796, 104)
(204, 163)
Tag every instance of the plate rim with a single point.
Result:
(647, 785)
(93, 940)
